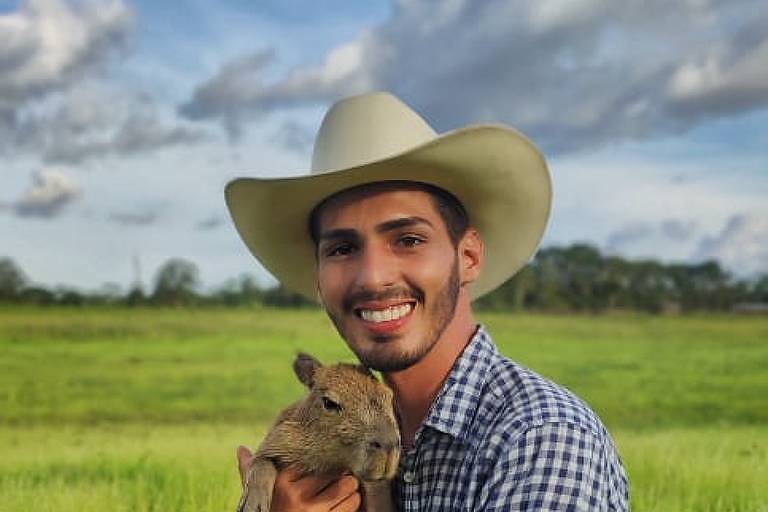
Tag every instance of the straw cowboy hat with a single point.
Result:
(499, 176)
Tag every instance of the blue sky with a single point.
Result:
(121, 121)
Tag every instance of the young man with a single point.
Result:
(396, 231)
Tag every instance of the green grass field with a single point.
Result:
(141, 410)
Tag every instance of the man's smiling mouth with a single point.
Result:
(388, 314)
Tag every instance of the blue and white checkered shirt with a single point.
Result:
(500, 437)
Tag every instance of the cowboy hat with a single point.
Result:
(499, 176)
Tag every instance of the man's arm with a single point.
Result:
(555, 467)
(294, 492)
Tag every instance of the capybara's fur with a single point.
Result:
(345, 424)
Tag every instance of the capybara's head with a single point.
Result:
(350, 415)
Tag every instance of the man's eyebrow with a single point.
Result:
(390, 225)
(403, 222)
(336, 234)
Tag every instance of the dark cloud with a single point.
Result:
(144, 218)
(212, 222)
(51, 191)
(238, 83)
(93, 121)
(573, 74)
(294, 137)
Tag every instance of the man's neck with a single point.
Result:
(416, 387)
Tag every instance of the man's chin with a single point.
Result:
(388, 364)
(385, 356)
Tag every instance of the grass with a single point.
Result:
(141, 410)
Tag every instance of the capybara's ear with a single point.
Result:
(304, 366)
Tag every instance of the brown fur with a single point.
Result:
(346, 423)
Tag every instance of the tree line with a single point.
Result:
(577, 278)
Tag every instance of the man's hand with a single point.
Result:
(295, 492)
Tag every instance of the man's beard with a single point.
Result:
(442, 311)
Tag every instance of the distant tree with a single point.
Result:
(513, 295)
(12, 280)
(70, 297)
(283, 298)
(38, 296)
(250, 291)
(135, 297)
(240, 291)
(175, 282)
(759, 290)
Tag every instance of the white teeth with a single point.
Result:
(385, 315)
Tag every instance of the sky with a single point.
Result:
(121, 121)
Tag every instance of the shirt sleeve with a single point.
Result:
(554, 467)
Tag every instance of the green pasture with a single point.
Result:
(141, 410)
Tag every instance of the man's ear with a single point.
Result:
(471, 256)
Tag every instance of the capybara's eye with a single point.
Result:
(330, 405)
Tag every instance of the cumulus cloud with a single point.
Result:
(47, 43)
(572, 74)
(54, 102)
(95, 120)
(51, 191)
(742, 245)
(237, 83)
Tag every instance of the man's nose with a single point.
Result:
(376, 269)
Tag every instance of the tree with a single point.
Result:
(12, 281)
(281, 297)
(176, 282)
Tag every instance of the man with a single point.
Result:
(396, 231)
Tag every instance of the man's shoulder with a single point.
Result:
(519, 399)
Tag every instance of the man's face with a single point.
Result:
(388, 273)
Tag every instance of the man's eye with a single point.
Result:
(340, 250)
(410, 241)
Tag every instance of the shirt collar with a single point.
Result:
(454, 409)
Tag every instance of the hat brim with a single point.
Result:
(500, 177)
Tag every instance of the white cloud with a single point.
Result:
(51, 191)
(571, 74)
(55, 101)
(724, 80)
(742, 245)
(47, 42)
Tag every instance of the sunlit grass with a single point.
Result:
(141, 410)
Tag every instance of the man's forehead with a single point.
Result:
(360, 194)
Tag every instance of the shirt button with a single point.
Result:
(409, 477)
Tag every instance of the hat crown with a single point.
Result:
(367, 128)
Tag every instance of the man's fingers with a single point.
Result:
(340, 493)
(350, 504)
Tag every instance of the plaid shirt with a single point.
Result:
(500, 437)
